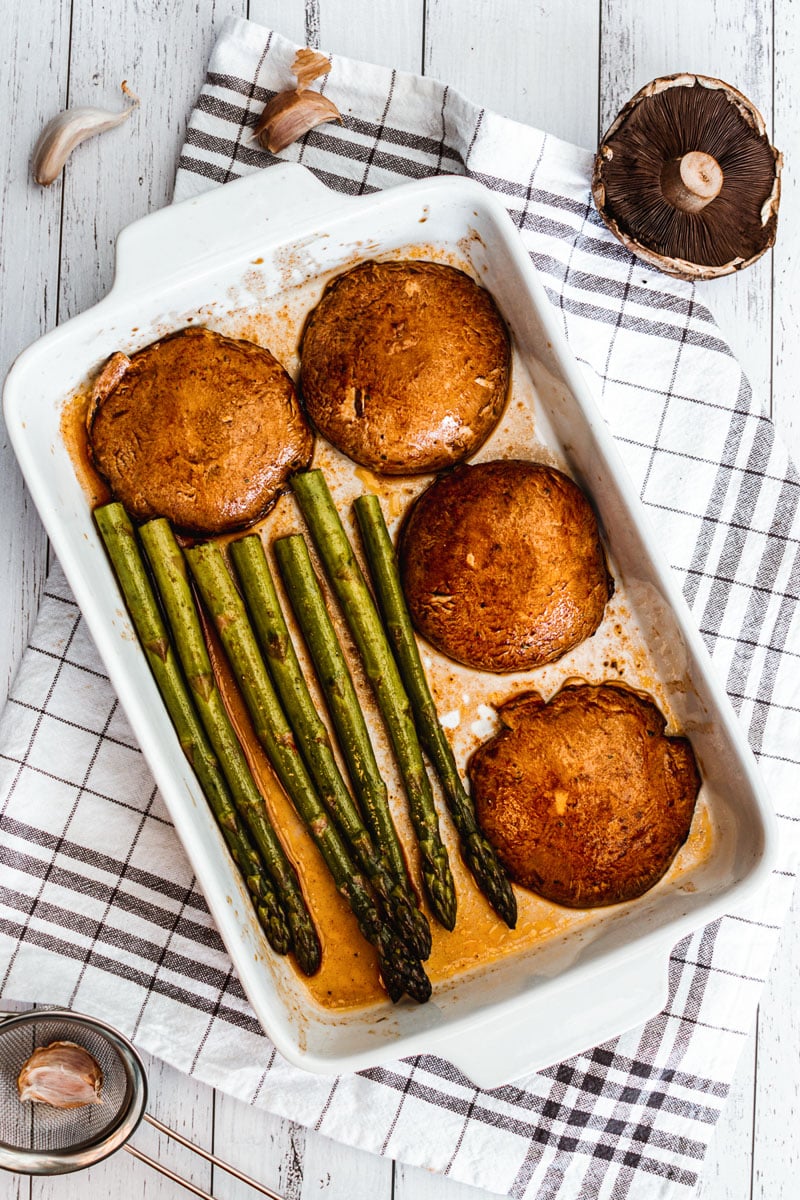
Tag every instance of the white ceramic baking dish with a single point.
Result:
(245, 246)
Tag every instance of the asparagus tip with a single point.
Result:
(278, 935)
(492, 879)
(411, 924)
(442, 895)
(307, 948)
(401, 973)
(418, 985)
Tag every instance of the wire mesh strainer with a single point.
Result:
(38, 1139)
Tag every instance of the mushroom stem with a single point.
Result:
(691, 182)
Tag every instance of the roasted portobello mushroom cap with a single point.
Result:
(585, 799)
(502, 565)
(405, 366)
(199, 428)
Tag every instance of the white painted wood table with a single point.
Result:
(563, 65)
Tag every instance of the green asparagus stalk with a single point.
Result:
(400, 970)
(308, 605)
(361, 615)
(478, 852)
(123, 550)
(172, 579)
(279, 654)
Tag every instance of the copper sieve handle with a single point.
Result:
(212, 1158)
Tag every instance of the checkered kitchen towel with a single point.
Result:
(98, 908)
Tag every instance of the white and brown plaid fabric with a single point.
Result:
(98, 907)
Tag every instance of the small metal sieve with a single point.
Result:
(38, 1139)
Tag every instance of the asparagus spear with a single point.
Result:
(333, 673)
(400, 970)
(279, 653)
(123, 550)
(169, 569)
(477, 850)
(361, 615)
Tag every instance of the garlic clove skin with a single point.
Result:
(63, 1075)
(64, 132)
(308, 65)
(291, 114)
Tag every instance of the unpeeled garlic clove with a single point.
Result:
(64, 132)
(63, 1075)
(291, 114)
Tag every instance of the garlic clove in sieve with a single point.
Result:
(63, 1075)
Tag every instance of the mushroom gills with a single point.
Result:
(686, 178)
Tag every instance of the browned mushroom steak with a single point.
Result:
(198, 428)
(584, 798)
(502, 565)
(405, 366)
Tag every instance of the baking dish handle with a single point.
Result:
(216, 226)
(557, 1027)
